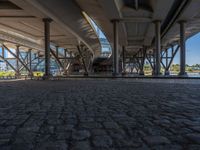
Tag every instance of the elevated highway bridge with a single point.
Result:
(109, 109)
(137, 30)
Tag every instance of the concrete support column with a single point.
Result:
(167, 63)
(123, 60)
(65, 60)
(182, 48)
(17, 60)
(143, 57)
(115, 49)
(70, 61)
(47, 22)
(30, 61)
(158, 46)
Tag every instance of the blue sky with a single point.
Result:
(192, 51)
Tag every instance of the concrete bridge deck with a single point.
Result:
(100, 114)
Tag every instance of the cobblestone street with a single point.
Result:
(99, 115)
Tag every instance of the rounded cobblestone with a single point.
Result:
(99, 114)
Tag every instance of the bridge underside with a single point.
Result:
(39, 32)
(43, 36)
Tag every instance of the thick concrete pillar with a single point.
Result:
(167, 63)
(143, 57)
(123, 60)
(47, 22)
(65, 60)
(182, 48)
(158, 46)
(30, 60)
(115, 49)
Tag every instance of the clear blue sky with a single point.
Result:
(192, 51)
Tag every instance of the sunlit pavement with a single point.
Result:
(101, 114)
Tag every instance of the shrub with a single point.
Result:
(38, 74)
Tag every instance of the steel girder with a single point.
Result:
(30, 62)
(168, 59)
(8, 63)
(80, 50)
(140, 57)
(15, 56)
(21, 61)
(138, 60)
(55, 55)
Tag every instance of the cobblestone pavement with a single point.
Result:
(99, 115)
